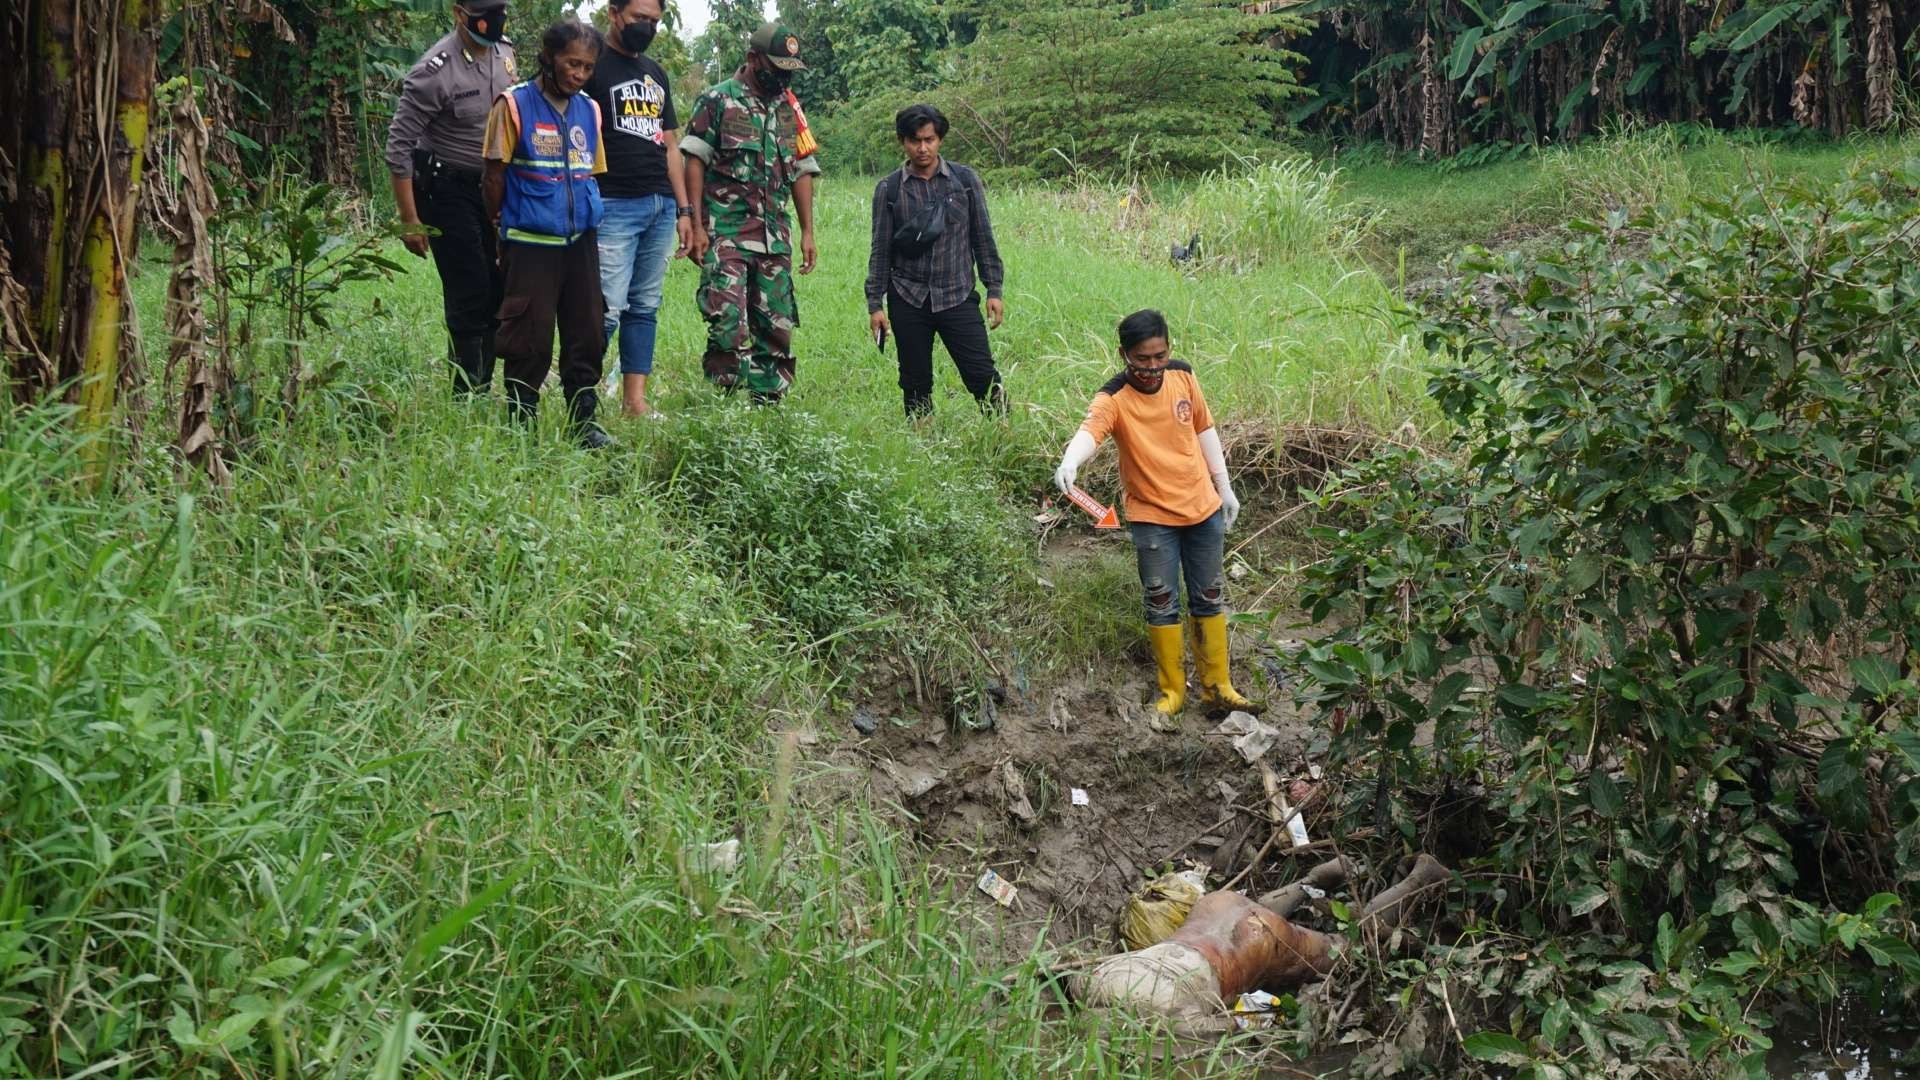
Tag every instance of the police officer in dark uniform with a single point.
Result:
(433, 152)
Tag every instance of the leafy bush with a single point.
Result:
(1060, 85)
(1661, 607)
(832, 539)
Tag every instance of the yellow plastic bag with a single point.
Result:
(1155, 912)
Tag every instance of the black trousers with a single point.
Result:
(549, 288)
(463, 253)
(963, 331)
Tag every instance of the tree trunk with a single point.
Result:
(99, 312)
(189, 331)
(70, 220)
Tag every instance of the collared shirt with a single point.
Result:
(443, 104)
(748, 145)
(942, 276)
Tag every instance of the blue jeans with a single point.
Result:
(636, 243)
(1166, 551)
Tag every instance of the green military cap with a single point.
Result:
(779, 45)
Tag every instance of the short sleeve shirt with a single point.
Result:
(503, 135)
(443, 104)
(1162, 472)
(749, 146)
(636, 120)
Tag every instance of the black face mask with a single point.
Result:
(636, 36)
(487, 27)
(772, 81)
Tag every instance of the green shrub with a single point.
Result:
(1662, 606)
(1061, 86)
(832, 539)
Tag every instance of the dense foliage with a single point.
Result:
(1439, 75)
(1050, 87)
(1658, 614)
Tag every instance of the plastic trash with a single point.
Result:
(1002, 890)
(720, 858)
(1155, 912)
(1253, 738)
(1255, 1009)
(1079, 796)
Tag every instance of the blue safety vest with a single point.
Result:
(551, 196)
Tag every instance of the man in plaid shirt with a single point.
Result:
(930, 230)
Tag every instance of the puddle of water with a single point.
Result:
(1852, 1042)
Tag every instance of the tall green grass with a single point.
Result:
(386, 766)
(385, 761)
(1426, 211)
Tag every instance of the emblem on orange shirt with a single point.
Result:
(1183, 411)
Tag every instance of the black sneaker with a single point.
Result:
(592, 438)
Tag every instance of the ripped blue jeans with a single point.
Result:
(1168, 553)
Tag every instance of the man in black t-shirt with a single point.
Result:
(643, 187)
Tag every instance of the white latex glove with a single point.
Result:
(1216, 460)
(1229, 502)
(1078, 451)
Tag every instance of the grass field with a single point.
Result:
(384, 763)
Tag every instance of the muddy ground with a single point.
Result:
(1002, 800)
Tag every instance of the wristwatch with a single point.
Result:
(684, 211)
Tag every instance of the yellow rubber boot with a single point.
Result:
(1169, 654)
(1217, 694)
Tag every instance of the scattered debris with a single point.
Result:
(1079, 797)
(1274, 670)
(865, 722)
(720, 858)
(1058, 715)
(1238, 570)
(1255, 1009)
(1156, 911)
(913, 782)
(1152, 718)
(1296, 827)
(1002, 890)
(1253, 739)
(1016, 788)
(1306, 797)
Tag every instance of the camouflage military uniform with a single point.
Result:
(746, 280)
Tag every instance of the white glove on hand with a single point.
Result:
(1216, 460)
(1078, 451)
(1229, 502)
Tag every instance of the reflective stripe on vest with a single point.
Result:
(551, 197)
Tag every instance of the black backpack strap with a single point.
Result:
(890, 192)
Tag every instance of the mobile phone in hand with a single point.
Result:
(880, 338)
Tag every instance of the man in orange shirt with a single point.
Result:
(1179, 505)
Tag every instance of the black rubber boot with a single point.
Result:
(581, 404)
(472, 359)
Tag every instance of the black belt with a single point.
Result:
(431, 164)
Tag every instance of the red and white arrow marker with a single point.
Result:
(1103, 517)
